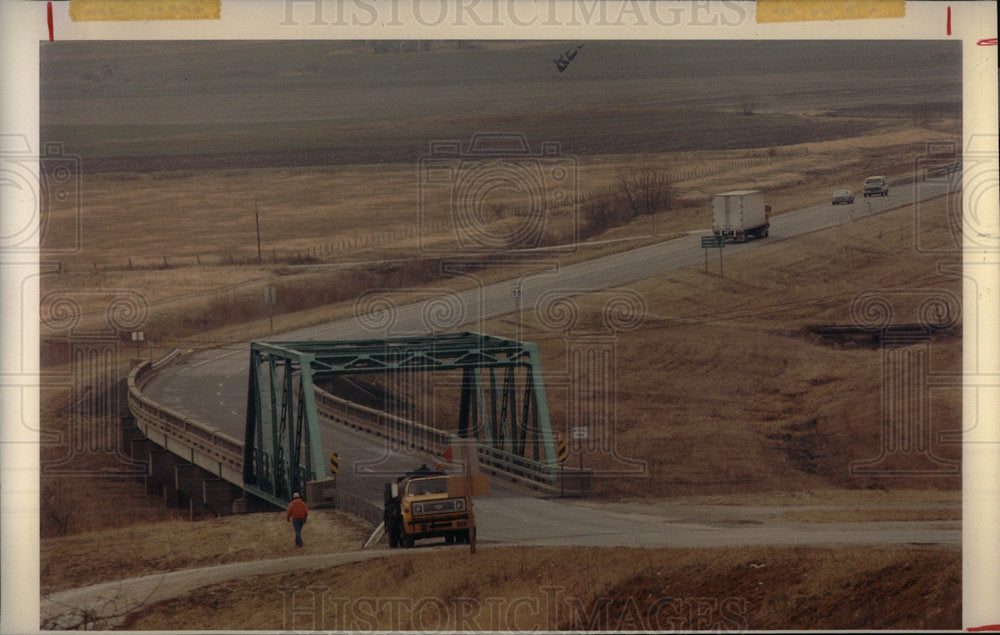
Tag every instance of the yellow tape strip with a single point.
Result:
(93, 10)
(802, 10)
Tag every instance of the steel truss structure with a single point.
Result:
(502, 402)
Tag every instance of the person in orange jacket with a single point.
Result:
(297, 513)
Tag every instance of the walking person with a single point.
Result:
(297, 513)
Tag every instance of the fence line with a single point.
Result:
(373, 239)
(728, 165)
(368, 511)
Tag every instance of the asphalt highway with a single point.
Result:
(210, 387)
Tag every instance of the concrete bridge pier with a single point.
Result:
(161, 475)
(219, 495)
(139, 449)
(181, 483)
(188, 479)
(128, 432)
(250, 504)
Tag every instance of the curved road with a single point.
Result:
(210, 387)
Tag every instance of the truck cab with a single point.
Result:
(418, 506)
(876, 186)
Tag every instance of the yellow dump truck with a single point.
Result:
(417, 505)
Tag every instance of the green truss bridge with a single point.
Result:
(502, 406)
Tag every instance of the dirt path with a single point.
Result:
(108, 604)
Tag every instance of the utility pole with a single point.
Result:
(468, 448)
(256, 215)
(516, 292)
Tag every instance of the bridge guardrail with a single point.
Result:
(418, 436)
(935, 171)
(403, 431)
(213, 451)
(221, 454)
(358, 506)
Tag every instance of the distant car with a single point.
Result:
(876, 186)
(843, 196)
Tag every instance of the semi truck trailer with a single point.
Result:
(740, 214)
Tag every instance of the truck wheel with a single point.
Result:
(407, 540)
(393, 538)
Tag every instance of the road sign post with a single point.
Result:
(713, 242)
(580, 434)
(515, 291)
(270, 299)
(562, 452)
(469, 452)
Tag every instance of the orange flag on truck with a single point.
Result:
(447, 454)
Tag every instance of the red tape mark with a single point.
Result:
(992, 627)
(949, 20)
(990, 41)
(48, 11)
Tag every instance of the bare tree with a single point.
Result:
(645, 191)
(105, 609)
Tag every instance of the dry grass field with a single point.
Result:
(722, 387)
(734, 394)
(372, 235)
(172, 545)
(526, 589)
(177, 153)
(720, 392)
(149, 545)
